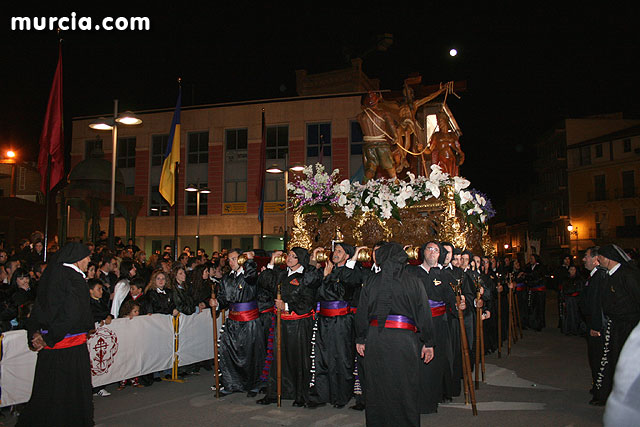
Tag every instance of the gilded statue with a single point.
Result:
(379, 133)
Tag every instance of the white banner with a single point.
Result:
(128, 348)
(196, 338)
(17, 368)
(124, 349)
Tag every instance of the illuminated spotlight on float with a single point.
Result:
(453, 52)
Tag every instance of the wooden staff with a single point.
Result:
(466, 362)
(478, 333)
(500, 319)
(514, 324)
(482, 344)
(512, 328)
(279, 350)
(516, 313)
(215, 349)
(224, 313)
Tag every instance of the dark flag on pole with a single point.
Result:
(52, 137)
(263, 167)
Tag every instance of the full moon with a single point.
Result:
(453, 52)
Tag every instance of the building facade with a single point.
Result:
(604, 202)
(553, 191)
(220, 148)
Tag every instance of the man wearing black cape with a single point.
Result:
(621, 305)
(57, 330)
(297, 286)
(242, 350)
(394, 336)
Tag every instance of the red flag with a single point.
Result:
(52, 137)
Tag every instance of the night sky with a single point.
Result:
(524, 71)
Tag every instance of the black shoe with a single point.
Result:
(596, 402)
(252, 393)
(224, 392)
(358, 406)
(314, 405)
(267, 401)
(338, 406)
(298, 404)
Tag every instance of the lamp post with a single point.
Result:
(195, 189)
(11, 160)
(126, 118)
(275, 168)
(573, 231)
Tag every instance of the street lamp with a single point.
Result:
(126, 118)
(274, 169)
(194, 189)
(11, 160)
(573, 231)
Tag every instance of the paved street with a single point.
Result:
(544, 382)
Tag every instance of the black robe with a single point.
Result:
(591, 307)
(298, 292)
(160, 301)
(572, 323)
(434, 375)
(241, 351)
(334, 348)
(621, 304)
(536, 281)
(392, 356)
(62, 384)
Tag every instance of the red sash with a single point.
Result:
(286, 315)
(438, 311)
(69, 341)
(395, 324)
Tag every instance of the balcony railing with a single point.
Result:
(615, 194)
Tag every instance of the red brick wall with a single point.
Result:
(340, 157)
(216, 180)
(141, 183)
(297, 152)
(253, 174)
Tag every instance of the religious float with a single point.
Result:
(410, 193)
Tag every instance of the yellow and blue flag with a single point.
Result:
(171, 157)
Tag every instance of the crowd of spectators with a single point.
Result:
(123, 282)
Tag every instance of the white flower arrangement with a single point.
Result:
(385, 197)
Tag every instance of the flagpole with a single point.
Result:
(264, 137)
(46, 208)
(114, 159)
(175, 212)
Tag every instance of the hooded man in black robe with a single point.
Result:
(242, 350)
(394, 335)
(621, 305)
(591, 307)
(432, 376)
(57, 330)
(334, 350)
(296, 285)
(451, 275)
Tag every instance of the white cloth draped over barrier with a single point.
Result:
(17, 368)
(124, 349)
